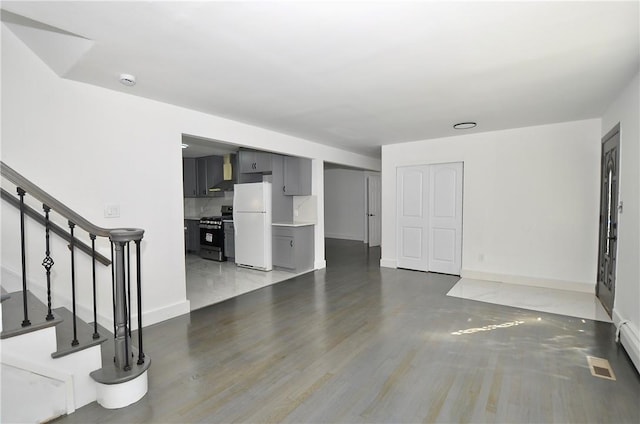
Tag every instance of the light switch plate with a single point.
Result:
(112, 211)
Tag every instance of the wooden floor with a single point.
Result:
(356, 343)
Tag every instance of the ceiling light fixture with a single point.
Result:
(465, 125)
(184, 145)
(128, 80)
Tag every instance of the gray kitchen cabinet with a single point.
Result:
(192, 235)
(209, 173)
(253, 161)
(281, 205)
(293, 247)
(229, 240)
(283, 251)
(189, 177)
(297, 176)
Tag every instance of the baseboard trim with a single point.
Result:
(629, 338)
(388, 263)
(530, 281)
(155, 316)
(321, 264)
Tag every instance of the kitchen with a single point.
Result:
(227, 251)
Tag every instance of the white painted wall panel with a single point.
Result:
(530, 199)
(626, 110)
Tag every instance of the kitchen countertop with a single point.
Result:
(192, 218)
(292, 224)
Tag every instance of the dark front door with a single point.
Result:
(605, 289)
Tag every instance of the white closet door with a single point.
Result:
(445, 218)
(412, 184)
(429, 217)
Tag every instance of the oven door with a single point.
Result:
(211, 236)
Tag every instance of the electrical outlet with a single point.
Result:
(112, 211)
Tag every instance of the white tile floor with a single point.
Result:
(210, 282)
(570, 303)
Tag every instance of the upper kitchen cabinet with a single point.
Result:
(209, 171)
(297, 176)
(189, 177)
(252, 161)
(200, 174)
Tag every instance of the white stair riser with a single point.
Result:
(36, 347)
(47, 396)
(114, 396)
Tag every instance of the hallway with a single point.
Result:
(357, 343)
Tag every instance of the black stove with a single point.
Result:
(212, 235)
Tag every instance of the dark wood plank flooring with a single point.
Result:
(356, 343)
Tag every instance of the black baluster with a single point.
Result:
(25, 321)
(47, 263)
(96, 335)
(129, 285)
(72, 246)
(113, 290)
(127, 331)
(139, 287)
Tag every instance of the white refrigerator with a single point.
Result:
(252, 223)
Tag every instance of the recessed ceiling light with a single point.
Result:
(465, 125)
(128, 80)
(184, 145)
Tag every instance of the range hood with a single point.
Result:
(227, 175)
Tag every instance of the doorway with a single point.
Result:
(608, 231)
(429, 217)
(374, 205)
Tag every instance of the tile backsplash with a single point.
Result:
(206, 206)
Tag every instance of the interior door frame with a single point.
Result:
(367, 238)
(615, 131)
(426, 263)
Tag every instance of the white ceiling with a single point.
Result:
(355, 75)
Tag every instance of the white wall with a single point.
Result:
(344, 207)
(89, 146)
(626, 110)
(530, 204)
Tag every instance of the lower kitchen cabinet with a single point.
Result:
(192, 235)
(293, 247)
(229, 241)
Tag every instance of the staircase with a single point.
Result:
(63, 344)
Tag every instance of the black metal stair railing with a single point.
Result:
(118, 239)
(26, 322)
(47, 262)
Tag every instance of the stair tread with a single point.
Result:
(13, 315)
(84, 333)
(109, 374)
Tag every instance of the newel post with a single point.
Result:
(120, 238)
